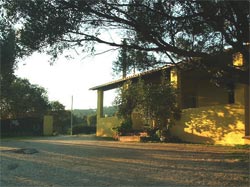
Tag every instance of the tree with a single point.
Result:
(24, 100)
(91, 120)
(177, 29)
(123, 63)
(7, 54)
(56, 106)
(132, 60)
(152, 101)
(127, 99)
(159, 103)
(7, 64)
(7, 61)
(61, 117)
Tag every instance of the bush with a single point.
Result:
(80, 129)
(21, 127)
(152, 101)
(124, 129)
(91, 120)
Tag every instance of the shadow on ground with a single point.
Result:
(84, 160)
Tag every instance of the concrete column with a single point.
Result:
(99, 104)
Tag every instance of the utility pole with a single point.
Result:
(71, 117)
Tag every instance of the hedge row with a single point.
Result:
(82, 129)
(21, 127)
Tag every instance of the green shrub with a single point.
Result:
(152, 101)
(80, 129)
(91, 120)
(124, 129)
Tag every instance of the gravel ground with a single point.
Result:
(88, 161)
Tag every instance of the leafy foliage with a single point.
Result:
(125, 128)
(7, 63)
(24, 100)
(152, 101)
(91, 120)
(159, 102)
(84, 113)
(131, 60)
(56, 106)
(81, 129)
(19, 98)
(21, 127)
(127, 99)
(177, 29)
(7, 46)
(61, 117)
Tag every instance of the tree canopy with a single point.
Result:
(132, 60)
(56, 106)
(24, 100)
(180, 30)
(7, 61)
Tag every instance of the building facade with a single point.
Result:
(210, 114)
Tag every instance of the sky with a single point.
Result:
(67, 78)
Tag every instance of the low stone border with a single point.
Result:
(129, 138)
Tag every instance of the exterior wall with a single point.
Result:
(211, 120)
(241, 97)
(105, 125)
(222, 124)
(198, 91)
(209, 95)
(247, 111)
(239, 94)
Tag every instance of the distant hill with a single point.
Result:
(109, 111)
(83, 112)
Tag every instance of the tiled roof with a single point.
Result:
(119, 82)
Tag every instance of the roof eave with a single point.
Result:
(119, 82)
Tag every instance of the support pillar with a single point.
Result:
(99, 104)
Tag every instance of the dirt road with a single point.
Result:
(87, 161)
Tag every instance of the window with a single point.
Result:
(237, 59)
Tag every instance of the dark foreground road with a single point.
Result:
(87, 161)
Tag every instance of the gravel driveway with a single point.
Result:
(87, 161)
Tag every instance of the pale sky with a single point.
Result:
(70, 77)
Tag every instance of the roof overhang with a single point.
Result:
(118, 83)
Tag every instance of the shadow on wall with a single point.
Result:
(222, 124)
